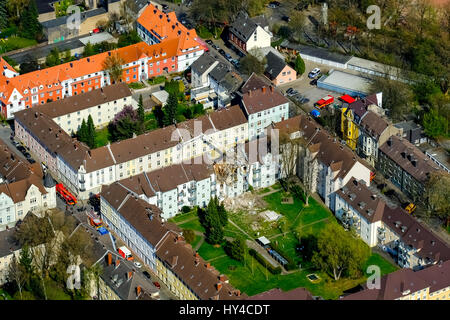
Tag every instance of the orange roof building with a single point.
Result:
(140, 61)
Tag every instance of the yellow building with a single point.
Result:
(349, 128)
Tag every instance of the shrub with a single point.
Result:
(264, 262)
(189, 235)
(185, 209)
(291, 265)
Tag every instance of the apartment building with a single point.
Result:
(383, 224)
(174, 52)
(352, 115)
(101, 104)
(135, 221)
(84, 170)
(161, 247)
(326, 163)
(213, 82)
(249, 33)
(9, 248)
(120, 282)
(262, 105)
(188, 276)
(155, 26)
(24, 189)
(406, 166)
(431, 283)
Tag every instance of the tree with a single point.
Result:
(171, 109)
(30, 26)
(88, 50)
(250, 64)
(159, 115)
(29, 66)
(3, 14)
(211, 221)
(435, 125)
(124, 124)
(437, 191)
(83, 133)
(397, 96)
(127, 12)
(17, 275)
(16, 6)
(289, 151)
(140, 110)
(189, 235)
(128, 39)
(297, 23)
(299, 65)
(339, 253)
(90, 133)
(52, 58)
(236, 249)
(222, 213)
(113, 65)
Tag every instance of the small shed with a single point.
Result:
(263, 241)
(160, 97)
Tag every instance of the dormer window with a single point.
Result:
(41, 87)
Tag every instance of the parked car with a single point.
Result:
(31, 161)
(21, 149)
(27, 155)
(165, 6)
(215, 46)
(209, 42)
(314, 73)
(156, 284)
(137, 264)
(146, 274)
(313, 82)
(228, 56)
(289, 90)
(222, 52)
(274, 4)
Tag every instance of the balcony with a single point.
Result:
(81, 180)
(192, 198)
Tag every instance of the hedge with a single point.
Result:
(264, 262)
(291, 265)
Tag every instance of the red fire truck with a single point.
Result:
(324, 102)
(65, 194)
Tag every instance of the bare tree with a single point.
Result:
(17, 274)
(113, 65)
(289, 155)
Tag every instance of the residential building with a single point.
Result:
(247, 33)
(382, 223)
(120, 282)
(24, 188)
(406, 166)
(325, 162)
(101, 104)
(262, 107)
(374, 130)
(440, 156)
(431, 283)
(155, 26)
(161, 247)
(9, 248)
(412, 132)
(84, 170)
(278, 71)
(188, 276)
(352, 115)
(213, 82)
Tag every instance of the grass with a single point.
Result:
(196, 241)
(277, 43)
(385, 266)
(208, 251)
(6, 294)
(205, 33)
(156, 80)
(194, 225)
(136, 85)
(14, 43)
(55, 292)
(102, 137)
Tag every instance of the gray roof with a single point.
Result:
(274, 65)
(63, 20)
(203, 63)
(8, 243)
(243, 26)
(225, 77)
(317, 52)
(43, 6)
(49, 182)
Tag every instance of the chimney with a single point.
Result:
(207, 265)
(138, 290)
(237, 292)
(36, 115)
(71, 65)
(218, 286)
(109, 258)
(250, 93)
(271, 89)
(263, 89)
(222, 278)
(117, 264)
(88, 59)
(129, 275)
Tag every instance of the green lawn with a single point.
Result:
(179, 218)
(157, 80)
(385, 266)
(208, 251)
(194, 225)
(14, 43)
(101, 137)
(136, 85)
(290, 211)
(196, 241)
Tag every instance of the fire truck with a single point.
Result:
(65, 194)
(325, 101)
(125, 253)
